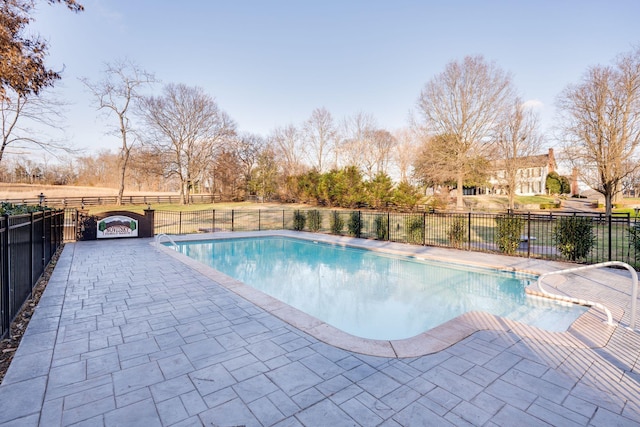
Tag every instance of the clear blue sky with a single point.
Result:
(270, 63)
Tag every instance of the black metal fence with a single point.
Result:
(221, 220)
(27, 243)
(536, 234)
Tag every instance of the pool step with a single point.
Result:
(543, 317)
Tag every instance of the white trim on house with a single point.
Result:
(531, 180)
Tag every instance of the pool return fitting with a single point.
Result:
(634, 289)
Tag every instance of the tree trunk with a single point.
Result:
(459, 190)
(123, 171)
(183, 195)
(121, 188)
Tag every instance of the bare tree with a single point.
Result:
(365, 146)
(517, 140)
(378, 154)
(117, 93)
(600, 123)
(62, 172)
(28, 171)
(248, 148)
(97, 169)
(24, 118)
(356, 144)
(320, 136)
(186, 123)
(146, 169)
(287, 146)
(464, 103)
(226, 175)
(405, 152)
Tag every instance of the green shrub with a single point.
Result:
(355, 224)
(550, 205)
(336, 223)
(315, 220)
(382, 228)
(414, 229)
(7, 208)
(634, 238)
(508, 232)
(457, 231)
(574, 236)
(298, 220)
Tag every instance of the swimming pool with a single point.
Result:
(375, 295)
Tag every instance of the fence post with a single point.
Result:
(44, 239)
(529, 234)
(610, 237)
(469, 231)
(232, 218)
(57, 232)
(4, 283)
(283, 219)
(6, 242)
(388, 226)
(424, 228)
(213, 221)
(180, 223)
(31, 248)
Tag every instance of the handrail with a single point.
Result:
(634, 289)
(158, 236)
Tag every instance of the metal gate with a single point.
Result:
(71, 224)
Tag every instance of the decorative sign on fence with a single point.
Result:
(117, 226)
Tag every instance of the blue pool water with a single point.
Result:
(375, 295)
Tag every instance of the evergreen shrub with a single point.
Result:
(508, 233)
(574, 236)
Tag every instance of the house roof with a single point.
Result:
(539, 160)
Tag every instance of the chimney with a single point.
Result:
(552, 161)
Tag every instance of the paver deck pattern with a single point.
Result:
(126, 335)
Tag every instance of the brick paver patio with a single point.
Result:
(126, 335)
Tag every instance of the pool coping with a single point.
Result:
(588, 331)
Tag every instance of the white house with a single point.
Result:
(531, 177)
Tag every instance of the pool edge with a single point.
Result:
(429, 342)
